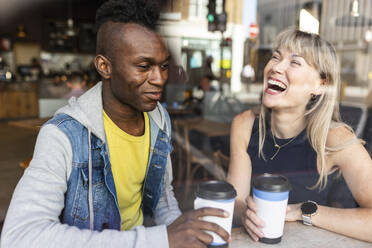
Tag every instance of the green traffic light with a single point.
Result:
(210, 17)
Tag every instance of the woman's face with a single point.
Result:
(289, 81)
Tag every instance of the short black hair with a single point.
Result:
(143, 12)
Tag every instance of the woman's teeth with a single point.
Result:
(276, 85)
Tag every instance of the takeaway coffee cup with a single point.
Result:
(216, 194)
(270, 192)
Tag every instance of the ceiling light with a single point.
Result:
(354, 19)
(70, 27)
(355, 8)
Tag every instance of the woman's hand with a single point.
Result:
(252, 223)
(293, 212)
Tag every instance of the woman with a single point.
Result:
(298, 133)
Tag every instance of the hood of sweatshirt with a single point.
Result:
(87, 109)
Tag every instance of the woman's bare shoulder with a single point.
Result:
(244, 118)
(340, 134)
(242, 126)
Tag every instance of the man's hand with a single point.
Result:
(188, 229)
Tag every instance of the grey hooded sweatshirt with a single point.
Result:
(33, 216)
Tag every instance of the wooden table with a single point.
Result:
(208, 127)
(297, 235)
(180, 111)
(33, 124)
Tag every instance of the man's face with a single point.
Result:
(139, 67)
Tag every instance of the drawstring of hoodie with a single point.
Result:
(90, 193)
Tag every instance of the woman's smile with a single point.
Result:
(275, 86)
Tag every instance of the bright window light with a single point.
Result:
(368, 35)
(308, 23)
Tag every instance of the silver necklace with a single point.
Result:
(278, 146)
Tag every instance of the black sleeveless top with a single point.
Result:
(297, 161)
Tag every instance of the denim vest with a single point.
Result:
(105, 204)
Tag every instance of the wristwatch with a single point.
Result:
(308, 209)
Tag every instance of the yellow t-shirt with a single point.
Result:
(129, 157)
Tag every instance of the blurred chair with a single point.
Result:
(191, 159)
(31, 124)
(367, 134)
(221, 160)
(355, 116)
(219, 106)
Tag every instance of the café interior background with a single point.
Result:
(43, 41)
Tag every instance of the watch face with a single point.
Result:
(309, 207)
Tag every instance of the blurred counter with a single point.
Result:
(19, 100)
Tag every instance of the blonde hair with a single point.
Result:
(322, 111)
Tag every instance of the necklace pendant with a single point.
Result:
(277, 151)
(278, 146)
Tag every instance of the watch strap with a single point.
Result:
(306, 219)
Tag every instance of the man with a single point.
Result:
(248, 74)
(76, 84)
(102, 162)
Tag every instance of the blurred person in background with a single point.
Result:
(248, 74)
(76, 83)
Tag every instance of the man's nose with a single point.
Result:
(158, 76)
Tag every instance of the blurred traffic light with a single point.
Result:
(221, 22)
(211, 17)
(211, 7)
(216, 22)
(226, 42)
